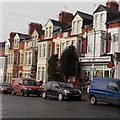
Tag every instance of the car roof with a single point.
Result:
(105, 78)
(57, 82)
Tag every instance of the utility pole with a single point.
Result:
(93, 64)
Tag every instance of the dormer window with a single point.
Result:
(78, 26)
(102, 20)
(96, 21)
(74, 27)
(16, 43)
(50, 32)
(46, 32)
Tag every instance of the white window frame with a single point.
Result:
(49, 50)
(21, 58)
(30, 58)
(43, 74)
(74, 29)
(57, 49)
(46, 32)
(44, 50)
(102, 20)
(40, 51)
(50, 32)
(78, 26)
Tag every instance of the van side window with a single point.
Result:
(112, 86)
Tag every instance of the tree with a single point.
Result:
(68, 62)
(53, 71)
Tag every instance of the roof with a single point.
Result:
(24, 36)
(21, 35)
(64, 29)
(111, 14)
(84, 15)
(57, 23)
(87, 18)
(115, 20)
(40, 32)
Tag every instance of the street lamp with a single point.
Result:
(93, 64)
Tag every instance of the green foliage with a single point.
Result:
(68, 62)
(53, 67)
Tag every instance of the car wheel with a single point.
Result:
(60, 96)
(44, 94)
(93, 100)
(13, 93)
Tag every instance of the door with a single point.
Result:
(54, 89)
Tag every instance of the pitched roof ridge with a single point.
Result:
(85, 13)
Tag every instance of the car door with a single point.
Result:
(54, 89)
(112, 93)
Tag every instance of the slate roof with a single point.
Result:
(24, 36)
(21, 35)
(57, 23)
(84, 15)
(111, 14)
(65, 28)
(40, 32)
(115, 20)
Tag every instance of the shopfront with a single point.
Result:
(100, 68)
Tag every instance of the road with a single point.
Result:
(36, 107)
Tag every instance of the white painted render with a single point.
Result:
(76, 19)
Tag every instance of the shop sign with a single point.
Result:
(110, 65)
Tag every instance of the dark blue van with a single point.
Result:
(103, 89)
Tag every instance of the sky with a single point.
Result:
(15, 16)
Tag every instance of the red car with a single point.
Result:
(25, 87)
(5, 88)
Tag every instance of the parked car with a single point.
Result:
(60, 90)
(104, 90)
(5, 88)
(25, 87)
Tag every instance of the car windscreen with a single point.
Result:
(29, 82)
(66, 85)
(5, 84)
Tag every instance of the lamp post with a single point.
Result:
(93, 63)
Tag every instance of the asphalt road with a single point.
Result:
(36, 107)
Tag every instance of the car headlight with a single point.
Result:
(29, 89)
(79, 91)
(3, 88)
(66, 91)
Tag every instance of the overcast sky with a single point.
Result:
(16, 15)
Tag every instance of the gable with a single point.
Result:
(76, 18)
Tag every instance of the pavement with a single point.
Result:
(85, 96)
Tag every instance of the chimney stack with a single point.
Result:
(65, 17)
(33, 26)
(113, 5)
